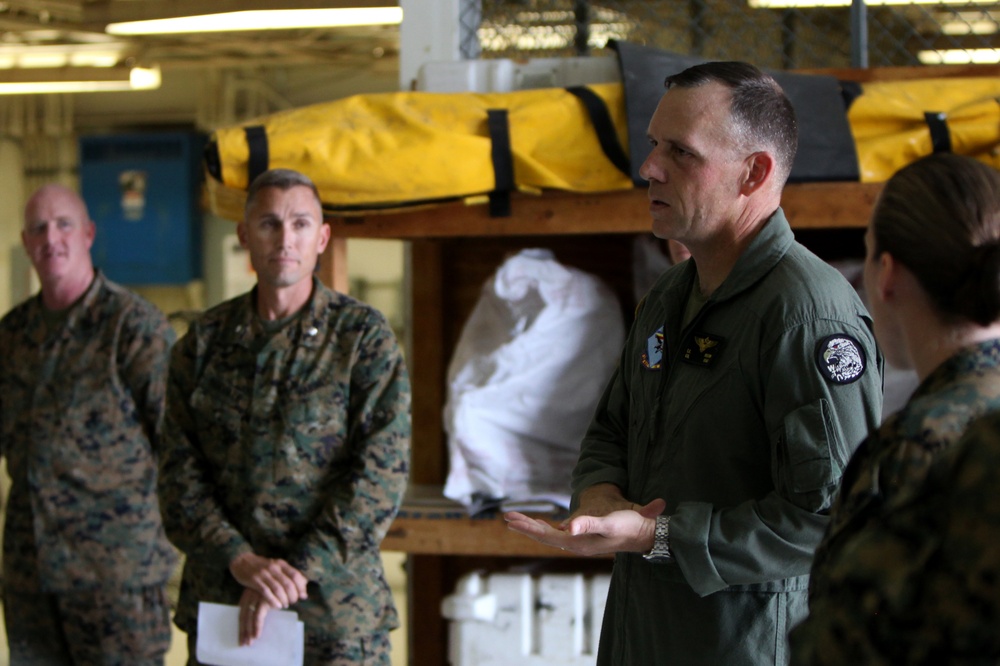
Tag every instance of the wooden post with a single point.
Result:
(333, 265)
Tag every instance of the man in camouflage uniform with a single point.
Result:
(82, 378)
(287, 443)
(920, 585)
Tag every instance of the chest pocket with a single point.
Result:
(221, 412)
(315, 424)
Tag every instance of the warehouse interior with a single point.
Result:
(223, 78)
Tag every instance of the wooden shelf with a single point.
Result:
(807, 205)
(423, 532)
(430, 524)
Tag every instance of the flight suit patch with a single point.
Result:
(840, 358)
(652, 357)
(703, 349)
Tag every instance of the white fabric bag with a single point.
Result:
(530, 366)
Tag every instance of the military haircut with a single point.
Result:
(282, 179)
(763, 116)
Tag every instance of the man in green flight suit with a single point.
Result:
(287, 443)
(749, 376)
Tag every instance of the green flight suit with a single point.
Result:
(743, 421)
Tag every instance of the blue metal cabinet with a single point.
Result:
(142, 191)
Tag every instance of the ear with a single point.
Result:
(241, 233)
(887, 280)
(324, 236)
(758, 169)
(91, 232)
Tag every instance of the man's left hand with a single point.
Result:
(253, 610)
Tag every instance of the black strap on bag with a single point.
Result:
(503, 162)
(937, 122)
(256, 136)
(604, 126)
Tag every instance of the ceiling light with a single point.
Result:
(78, 79)
(61, 55)
(960, 57)
(976, 24)
(277, 19)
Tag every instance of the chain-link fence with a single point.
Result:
(779, 34)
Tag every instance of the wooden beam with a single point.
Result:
(873, 74)
(333, 266)
(807, 205)
(427, 360)
(455, 533)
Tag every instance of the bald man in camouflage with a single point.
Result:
(82, 378)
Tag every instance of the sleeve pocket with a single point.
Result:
(811, 440)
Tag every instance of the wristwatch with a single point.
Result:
(661, 541)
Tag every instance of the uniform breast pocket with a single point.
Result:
(220, 412)
(316, 426)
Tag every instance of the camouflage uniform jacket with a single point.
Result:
(882, 479)
(294, 446)
(81, 406)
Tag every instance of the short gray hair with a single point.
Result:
(283, 179)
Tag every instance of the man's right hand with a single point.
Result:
(276, 580)
(600, 500)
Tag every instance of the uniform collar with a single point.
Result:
(79, 313)
(974, 358)
(305, 329)
(766, 249)
(763, 254)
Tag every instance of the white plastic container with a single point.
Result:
(513, 618)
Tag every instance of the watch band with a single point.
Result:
(661, 540)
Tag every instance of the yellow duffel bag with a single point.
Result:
(895, 123)
(391, 150)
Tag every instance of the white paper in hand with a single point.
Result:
(280, 644)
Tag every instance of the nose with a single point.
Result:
(650, 170)
(51, 233)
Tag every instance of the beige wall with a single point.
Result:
(13, 263)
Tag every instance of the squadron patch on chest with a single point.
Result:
(703, 349)
(840, 358)
(652, 357)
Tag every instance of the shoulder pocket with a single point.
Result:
(810, 443)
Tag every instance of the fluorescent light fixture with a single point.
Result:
(275, 19)
(972, 25)
(78, 79)
(801, 4)
(960, 57)
(61, 55)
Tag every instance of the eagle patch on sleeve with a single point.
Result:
(840, 358)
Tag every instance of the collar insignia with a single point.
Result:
(703, 349)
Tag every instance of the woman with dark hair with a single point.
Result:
(932, 274)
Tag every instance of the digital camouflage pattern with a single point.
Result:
(81, 406)
(292, 444)
(870, 561)
(102, 627)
